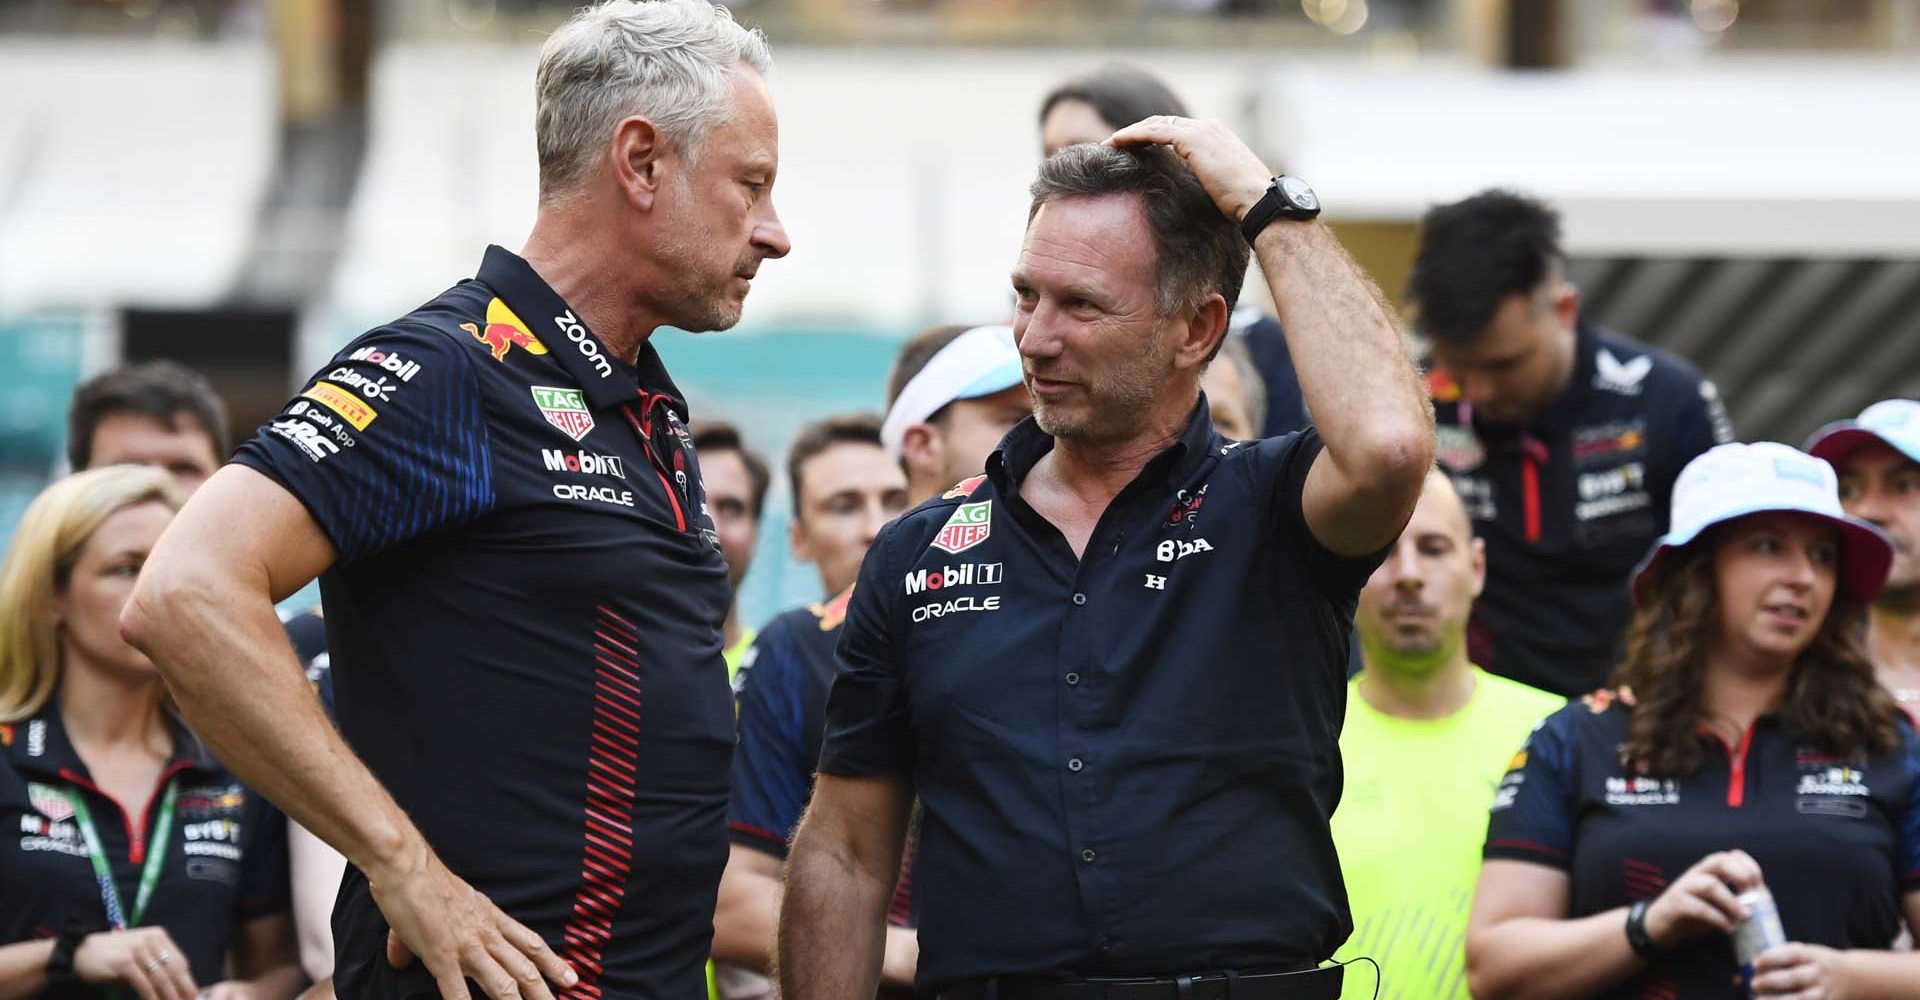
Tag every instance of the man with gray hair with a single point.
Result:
(1113, 668)
(524, 587)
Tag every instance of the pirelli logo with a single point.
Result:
(348, 405)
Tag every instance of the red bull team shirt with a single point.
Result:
(1837, 837)
(524, 625)
(1126, 761)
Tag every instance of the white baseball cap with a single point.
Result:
(1893, 422)
(1733, 481)
(979, 362)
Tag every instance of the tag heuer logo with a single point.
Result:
(49, 802)
(970, 525)
(565, 409)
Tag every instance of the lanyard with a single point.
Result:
(117, 917)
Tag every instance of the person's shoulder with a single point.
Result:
(1627, 367)
(920, 523)
(785, 627)
(1509, 696)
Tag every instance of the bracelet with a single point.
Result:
(1637, 937)
(60, 963)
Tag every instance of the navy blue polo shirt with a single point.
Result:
(1837, 838)
(1569, 503)
(783, 686)
(524, 625)
(225, 863)
(1127, 761)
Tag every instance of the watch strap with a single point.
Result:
(1263, 212)
(60, 962)
(1637, 937)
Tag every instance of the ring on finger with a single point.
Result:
(151, 963)
(164, 957)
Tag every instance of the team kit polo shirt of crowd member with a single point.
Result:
(524, 623)
(1410, 828)
(1569, 503)
(1838, 840)
(783, 718)
(206, 854)
(1126, 762)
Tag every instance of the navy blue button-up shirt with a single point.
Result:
(1127, 760)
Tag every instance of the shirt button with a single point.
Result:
(1075, 764)
(1087, 855)
(1073, 679)
(1079, 599)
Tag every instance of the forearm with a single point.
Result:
(832, 924)
(1538, 958)
(746, 920)
(1881, 975)
(214, 636)
(1365, 397)
(23, 968)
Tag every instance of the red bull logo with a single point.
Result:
(504, 331)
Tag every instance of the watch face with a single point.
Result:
(1299, 193)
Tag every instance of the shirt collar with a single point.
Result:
(40, 744)
(1177, 463)
(606, 380)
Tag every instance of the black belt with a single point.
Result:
(1307, 984)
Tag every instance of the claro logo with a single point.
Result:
(585, 343)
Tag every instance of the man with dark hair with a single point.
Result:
(953, 393)
(736, 479)
(1091, 107)
(1113, 668)
(1563, 438)
(158, 413)
(845, 487)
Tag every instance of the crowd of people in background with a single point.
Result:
(1737, 627)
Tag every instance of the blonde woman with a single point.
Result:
(130, 861)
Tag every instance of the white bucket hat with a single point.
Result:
(979, 362)
(1733, 481)
(1893, 422)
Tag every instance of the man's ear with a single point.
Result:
(923, 452)
(1566, 305)
(637, 152)
(1477, 555)
(1202, 332)
(797, 542)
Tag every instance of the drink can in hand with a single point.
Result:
(1759, 932)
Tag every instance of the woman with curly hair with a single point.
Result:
(1746, 745)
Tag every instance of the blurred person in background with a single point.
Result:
(157, 413)
(1427, 737)
(1877, 457)
(953, 393)
(845, 488)
(1090, 108)
(1747, 746)
(504, 500)
(167, 416)
(1236, 396)
(736, 479)
(1562, 437)
(130, 860)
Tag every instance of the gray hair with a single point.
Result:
(1197, 250)
(666, 60)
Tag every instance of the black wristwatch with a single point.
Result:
(60, 963)
(1286, 198)
(1637, 937)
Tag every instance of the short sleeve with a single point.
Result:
(1532, 817)
(388, 442)
(869, 722)
(1339, 576)
(772, 776)
(265, 874)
